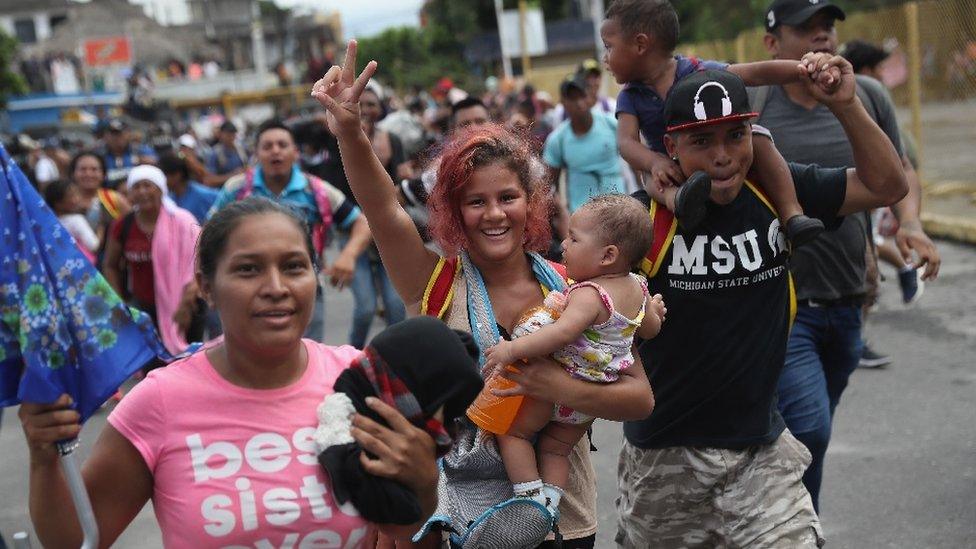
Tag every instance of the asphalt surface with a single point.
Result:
(900, 471)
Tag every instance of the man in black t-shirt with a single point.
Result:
(713, 465)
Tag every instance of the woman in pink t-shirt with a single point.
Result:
(222, 441)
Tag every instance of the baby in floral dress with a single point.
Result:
(589, 330)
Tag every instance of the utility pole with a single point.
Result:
(257, 40)
(596, 15)
(526, 62)
(506, 62)
(915, 74)
(208, 26)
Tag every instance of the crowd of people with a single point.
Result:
(717, 311)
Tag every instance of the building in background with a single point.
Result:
(32, 21)
(152, 45)
(166, 12)
(287, 37)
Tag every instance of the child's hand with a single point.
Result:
(657, 307)
(665, 173)
(654, 314)
(497, 357)
(822, 70)
(833, 83)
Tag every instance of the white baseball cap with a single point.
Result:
(187, 140)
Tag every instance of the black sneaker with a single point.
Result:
(691, 200)
(872, 359)
(911, 286)
(801, 229)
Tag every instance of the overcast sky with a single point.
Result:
(366, 17)
(359, 17)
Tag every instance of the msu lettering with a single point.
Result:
(710, 255)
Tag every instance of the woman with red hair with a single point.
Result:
(489, 213)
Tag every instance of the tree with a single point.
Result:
(419, 57)
(412, 57)
(11, 83)
(405, 57)
(709, 20)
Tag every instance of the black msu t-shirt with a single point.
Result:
(715, 365)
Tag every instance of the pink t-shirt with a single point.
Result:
(234, 466)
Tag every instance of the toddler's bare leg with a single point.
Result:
(773, 174)
(516, 447)
(663, 196)
(556, 442)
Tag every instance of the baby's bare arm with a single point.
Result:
(628, 399)
(582, 311)
(654, 313)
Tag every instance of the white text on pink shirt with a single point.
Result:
(249, 502)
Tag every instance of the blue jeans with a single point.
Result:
(823, 349)
(368, 281)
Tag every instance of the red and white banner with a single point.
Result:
(110, 50)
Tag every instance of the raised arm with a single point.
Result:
(778, 72)
(407, 261)
(767, 73)
(878, 177)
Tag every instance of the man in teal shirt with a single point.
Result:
(279, 178)
(585, 145)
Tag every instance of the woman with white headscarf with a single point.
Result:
(149, 258)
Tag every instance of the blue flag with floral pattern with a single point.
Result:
(62, 327)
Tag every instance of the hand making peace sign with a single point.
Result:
(339, 90)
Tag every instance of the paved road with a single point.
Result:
(901, 471)
(947, 136)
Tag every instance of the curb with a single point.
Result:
(952, 227)
(950, 188)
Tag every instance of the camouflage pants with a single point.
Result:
(708, 497)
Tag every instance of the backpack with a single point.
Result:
(320, 232)
(440, 288)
